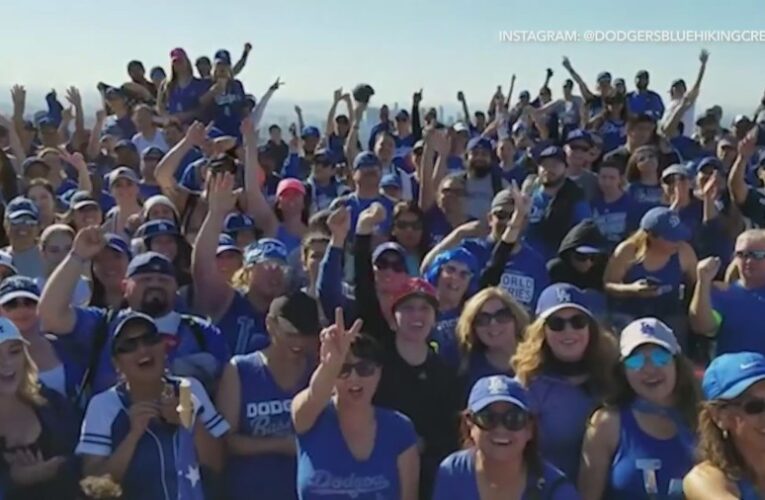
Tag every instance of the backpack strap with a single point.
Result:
(100, 336)
(195, 324)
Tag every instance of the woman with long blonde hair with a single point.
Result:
(731, 441)
(565, 360)
(38, 429)
(488, 332)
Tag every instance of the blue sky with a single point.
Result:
(397, 45)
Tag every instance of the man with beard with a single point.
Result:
(482, 179)
(643, 100)
(22, 225)
(195, 347)
(557, 203)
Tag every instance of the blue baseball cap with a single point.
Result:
(730, 375)
(479, 143)
(665, 224)
(225, 244)
(676, 169)
(216, 133)
(265, 249)
(389, 246)
(21, 207)
(310, 131)
(130, 318)
(152, 152)
(402, 115)
(604, 75)
(560, 296)
(580, 135)
(46, 121)
(390, 180)
(126, 143)
(497, 388)
(365, 159)
(150, 262)
(709, 161)
(82, 199)
(16, 287)
(157, 227)
(122, 173)
(551, 153)
(223, 56)
(118, 244)
(524, 95)
(237, 221)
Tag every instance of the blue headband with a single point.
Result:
(460, 255)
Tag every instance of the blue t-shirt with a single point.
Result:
(164, 465)
(290, 241)
(181, 342)
(437, 225)
(617, 219)
(648, 102)
(540, 201)
(455, 163)
(613, 133)
(146, 191)
(525, 274)
(647, 197)
(264, 412)
(739, 309)
(456, 480)
(327, 470)
(358, 205)
(517, 173)
(183, 99)
(229, 108)
(244, 328)
(444, 338)
(647, 467)
(480, 367)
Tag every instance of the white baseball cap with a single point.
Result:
(647, 331)
(7, 261)
(9, 331)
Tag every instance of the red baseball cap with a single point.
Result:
(416, 287)
(178, 53)
(289, 185)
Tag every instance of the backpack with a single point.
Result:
(83, 391)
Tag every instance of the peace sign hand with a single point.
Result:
(336, 340)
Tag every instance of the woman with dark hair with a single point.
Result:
(162, 236)
(640, 444)
(566, 361)
(730, 431)
(501, 457)
(108, 270)
(610, 124)
(342, 435)
(228, 101)
(288, 220)
(182, 96)
(41, 193)
(409, 231)
(159, 207)
(643, 177)
(55, 244)
(84, 211)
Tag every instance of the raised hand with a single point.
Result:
(707, 269)
(709, 189)
(549, 72)
(417, 97)
(372, 216)
(196, 133)
(521, 203)
(339, 223)
(460, 96)
(67, 115)
(298, 110)
(336, 340)
(566, 63)
(73, 97)
(338, 95)
(221, 198)
(100, 116)
(141, 414)
(441, 142)
(748, 144)
(474, 229)
(247, 47)
(88, 242)
(704, 56)
(74, 159)
(19, 96)
(276, 84)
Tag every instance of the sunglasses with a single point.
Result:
(501, 316)
(414, 225)
(750, 254)
(659, 358)
(392, 264)
(363, 368)
(130, 345)
(450, 270)
(558, 324)
(753, 406)
(20, 302)
(502, 214)
(514, 419)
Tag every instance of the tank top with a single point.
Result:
(647, 467)
(243, 327)
(264, 412)
(667, 303)
(747, 491)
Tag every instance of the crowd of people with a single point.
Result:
(556, 297)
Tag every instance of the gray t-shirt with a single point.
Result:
(479, 193)
(570, 111)
(28, 262)
(587, 182)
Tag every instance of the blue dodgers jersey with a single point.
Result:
(646, 467)
(738, 309)
(265, 411)
(327, 470)
(456, 480)
(540, 202)
(229, 109)
(186, 98)
(617, 219)
(647, 197)
(164, 464)
(525, 274)
(243, 328)
(181, 342)
(444, 338)
(613, 133)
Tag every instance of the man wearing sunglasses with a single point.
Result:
(194, 345)
(22, 225)
(732, 313)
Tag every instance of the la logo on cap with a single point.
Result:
(647, 328)
(497, 385)
(163, 227)
(562, 295)
(674, 220)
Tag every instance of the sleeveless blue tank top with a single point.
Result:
(668, 302)
(647, 467)
(243, 327)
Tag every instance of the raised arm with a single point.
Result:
(94, 143)
(165, 172)
(260, 107)
(300, 121)
(57, 315)
(83, 174)
(737, 186)
(15, 143)
(257, 205)
(472, 229)
(351, 142)
(416, 124)
(510, 91)
(586, 94)
(703, 58)
(212, 294)
(335, 344)
(669, 128)
(465, 110)
(329, 127)
(428, 189)
(239, 66)
(75, 99)
(700, 312)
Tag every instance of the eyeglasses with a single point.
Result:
(501, 316)
(127, 346)
(753, 406)
(514, 419)
(659, 358)
(502, 214)
(363, 368)
(750, 254)
(392, 264)
(558, 324)
(414, 225)
(20, 302)
(450, 270)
